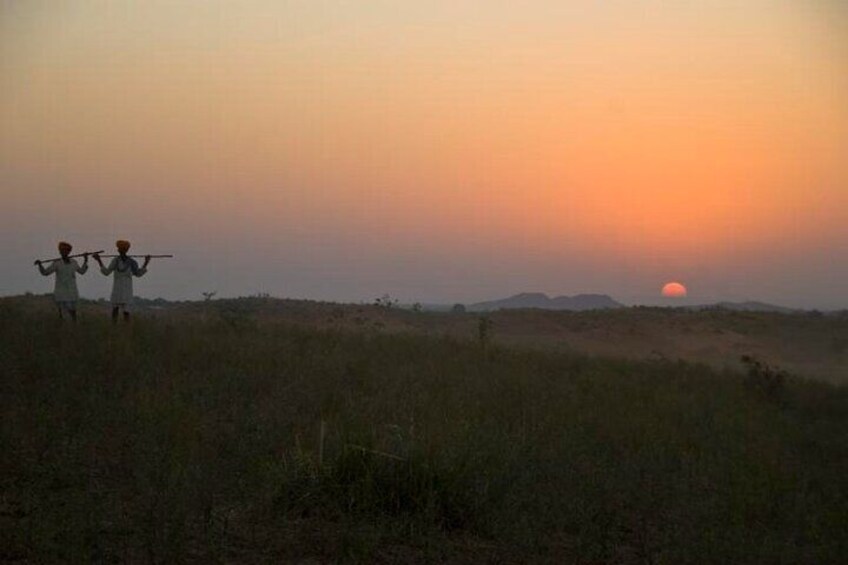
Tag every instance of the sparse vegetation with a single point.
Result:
(764, 379)
(177, 439)
(484, 330)
(386, 302)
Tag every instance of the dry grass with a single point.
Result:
(195, 436)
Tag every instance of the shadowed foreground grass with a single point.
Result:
(202, 441)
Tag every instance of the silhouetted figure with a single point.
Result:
(65, 291)
(124, 268)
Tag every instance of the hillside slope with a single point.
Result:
(807, 344)
(542, 301)
(217, 435)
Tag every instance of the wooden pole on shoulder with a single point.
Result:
(70, 256)
(142, 256)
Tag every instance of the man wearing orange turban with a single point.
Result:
(125, 268)
(65, 291)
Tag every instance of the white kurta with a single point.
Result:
(65, 289)
(122, 287)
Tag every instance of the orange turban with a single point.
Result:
(122, 245)
(65, 246)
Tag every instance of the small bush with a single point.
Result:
(485, 325)
(766, 380)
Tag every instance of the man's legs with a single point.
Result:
(70, 307)
(118, 307)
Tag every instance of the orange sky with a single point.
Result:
(448, 151)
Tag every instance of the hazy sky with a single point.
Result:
(439, 151)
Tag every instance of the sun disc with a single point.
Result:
(674, 290)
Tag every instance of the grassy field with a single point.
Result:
(809, 344)
(217, 435)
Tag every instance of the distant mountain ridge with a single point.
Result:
(748, 306)
(542, 301)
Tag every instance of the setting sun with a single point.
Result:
(674, 290)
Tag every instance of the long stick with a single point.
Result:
(70, 256)
(142, 256)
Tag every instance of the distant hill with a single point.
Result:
(749, 306)
(542, 301)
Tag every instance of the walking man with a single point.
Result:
(124, 268)
(65, 292)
